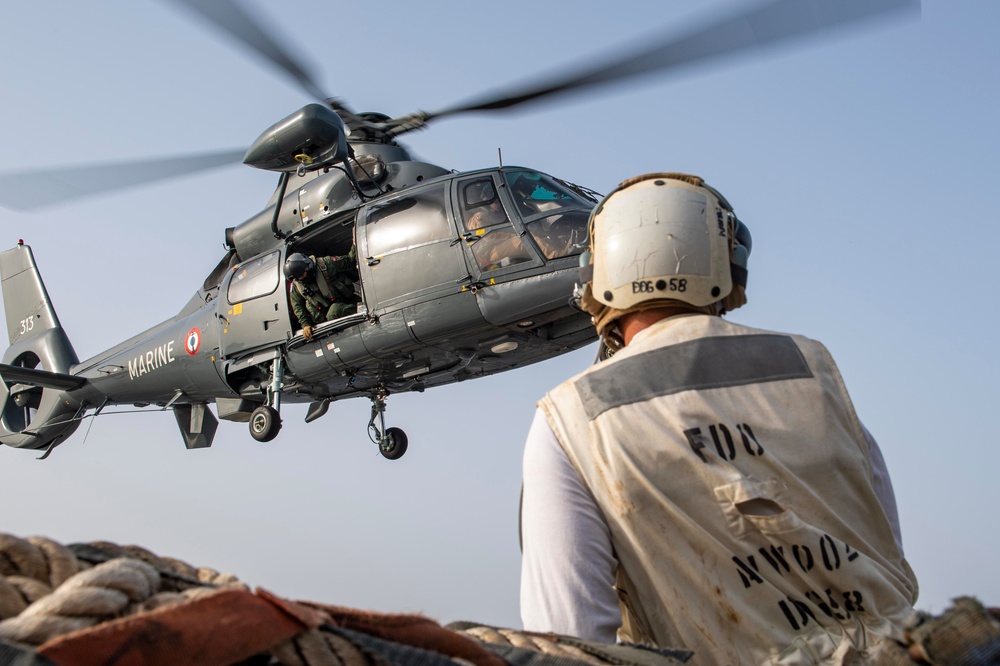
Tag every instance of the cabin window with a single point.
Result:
(254, 278)
(407, 222)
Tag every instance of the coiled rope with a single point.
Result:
(51, 595)
(47, 589)
(91, 603)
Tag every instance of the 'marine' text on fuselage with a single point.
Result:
(151, 360)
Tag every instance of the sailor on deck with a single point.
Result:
(710, 486)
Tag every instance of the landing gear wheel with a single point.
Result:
(393, 444)
(265, 422)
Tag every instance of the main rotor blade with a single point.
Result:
(769, 25)
(227, 16)
(32, 190)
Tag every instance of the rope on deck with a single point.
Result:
(47, 589)
(52, 595)
(94, 602)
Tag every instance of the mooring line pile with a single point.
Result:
(92, 603)
(101, 603)
(48, 589)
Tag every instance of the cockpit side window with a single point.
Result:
(478, 192)
(493, 240)
(481, 207)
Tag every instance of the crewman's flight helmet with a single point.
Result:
(298, 264)
(663, 239)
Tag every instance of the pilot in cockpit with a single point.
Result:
(486, 216)
(499, 247)
(523, 190)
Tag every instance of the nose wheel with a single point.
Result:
(392, 442)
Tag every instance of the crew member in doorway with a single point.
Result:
(322, 288)
(710, 486)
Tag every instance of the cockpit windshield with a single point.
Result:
(554, 213)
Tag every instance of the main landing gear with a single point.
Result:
(392, 442)
(265, 421)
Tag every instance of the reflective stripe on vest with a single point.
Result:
(692, 366)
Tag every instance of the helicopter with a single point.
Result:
(439, 298)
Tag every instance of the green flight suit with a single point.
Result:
(328, 293)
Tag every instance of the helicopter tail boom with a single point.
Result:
(38, 402)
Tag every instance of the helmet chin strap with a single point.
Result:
(735, 299)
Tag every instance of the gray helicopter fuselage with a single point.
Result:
(436, 309)
(459, 276)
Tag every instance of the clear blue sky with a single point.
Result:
(864, 165)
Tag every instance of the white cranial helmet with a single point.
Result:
(662, 239)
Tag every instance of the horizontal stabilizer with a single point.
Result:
(13, 374)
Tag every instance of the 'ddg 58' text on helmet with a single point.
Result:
(663, 239)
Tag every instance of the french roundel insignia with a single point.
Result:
(192, 342)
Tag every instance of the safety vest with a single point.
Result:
(735, 479)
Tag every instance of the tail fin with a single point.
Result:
(33, 415)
